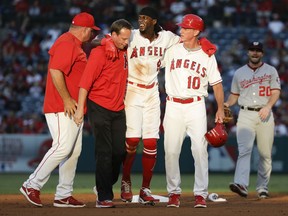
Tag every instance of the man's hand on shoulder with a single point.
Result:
(111, 50)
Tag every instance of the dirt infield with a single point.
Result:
(276, 205)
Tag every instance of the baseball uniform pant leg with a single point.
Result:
(196, 129)
(151, 115)
(245, 138)
(265, 139)
(174, 134)
(143, 112)
(150, 133)
(67, 167)
(62, 146)
(134, 112)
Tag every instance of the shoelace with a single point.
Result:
(242, 187)
(199, 198)
(34, 193)
(147, 192)
(126, 186)
(174, 197)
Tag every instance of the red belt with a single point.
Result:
(142, 85)
(184, 101)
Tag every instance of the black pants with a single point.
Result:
(109, 129)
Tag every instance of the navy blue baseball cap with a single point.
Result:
(255, 45)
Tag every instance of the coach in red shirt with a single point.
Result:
(104, 83)
(66, 65)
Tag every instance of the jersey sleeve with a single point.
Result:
(166, 58)
(62, 57)
(173, 38)
(275, 80)
(133, 32)
(234, 86)
(214, 76)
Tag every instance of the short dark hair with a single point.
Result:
(120, 24)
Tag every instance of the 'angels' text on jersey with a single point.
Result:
(188, 64)
(149, 50)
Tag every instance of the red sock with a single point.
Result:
(148, 160)
(131, 145)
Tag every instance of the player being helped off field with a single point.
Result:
(256, 88)
(104, 83)
(142, 102)
(189, 68)
(66, 65)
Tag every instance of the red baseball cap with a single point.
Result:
(85, 20)
(192, 21)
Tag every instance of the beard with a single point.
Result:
(255, 60)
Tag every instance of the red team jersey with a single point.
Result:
(106, 80)
(67, 56)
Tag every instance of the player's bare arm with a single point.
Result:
(232, 99)
(265, 111)
(219, 96)
(79, 113)
(70, 104)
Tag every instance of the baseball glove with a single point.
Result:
(228, 115)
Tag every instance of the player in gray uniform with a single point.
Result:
(256, 87)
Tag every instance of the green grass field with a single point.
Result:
(10, 183)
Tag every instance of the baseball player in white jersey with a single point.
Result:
(256, 87)
(142, 103)
(188, 71)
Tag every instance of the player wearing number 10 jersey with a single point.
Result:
(188, 71)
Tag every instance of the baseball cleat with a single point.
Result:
(200, 202)
(146, 198)
(126, 192)
(263, 195)
(68, 202)
(105, 204)
(239, 189)
(174, 200)
(32, 195)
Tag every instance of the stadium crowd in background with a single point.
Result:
(29, 27)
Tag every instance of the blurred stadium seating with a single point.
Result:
(29, 27)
